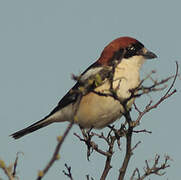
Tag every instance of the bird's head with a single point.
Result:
(124, 48)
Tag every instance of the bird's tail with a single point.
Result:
(40, 124)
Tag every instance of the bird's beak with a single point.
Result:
(148, 54)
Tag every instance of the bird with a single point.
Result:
(96, 100)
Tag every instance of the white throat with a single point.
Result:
(127, 75)
(134, 62)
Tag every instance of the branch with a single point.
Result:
(127, 157)
(16, 163)
(143, 131)
(55, 156)
(7, 170)
(89, 178)
(164, 97)
(134, 174)
(108, 166)
(155, 169)
(68, 173)
(91, 145)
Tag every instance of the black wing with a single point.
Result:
(74, 93)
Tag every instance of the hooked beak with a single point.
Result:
(148, 54)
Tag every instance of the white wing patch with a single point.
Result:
(90, 72)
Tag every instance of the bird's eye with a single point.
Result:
(133, 50)
(130, 51)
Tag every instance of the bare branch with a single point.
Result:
(142, 131)
(88, 178)
(127, 157)
(135, 146)
(156, 168)
(108, 166)
(164, 97)
(68, 173)
(134, 174)
(6, 170)
(91, 145)
(16, 163)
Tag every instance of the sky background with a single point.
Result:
(43, 42)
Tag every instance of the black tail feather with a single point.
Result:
(32, 128)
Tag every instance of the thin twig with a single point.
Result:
(142, 131)
(134, 174)
(155, 169)
(108, 166)
(68, 173)
(16, 163)
(89, 178)
(6, 170)
(91, 145)
(135, 146)
(165, 96)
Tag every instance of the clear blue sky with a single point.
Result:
(43, 42)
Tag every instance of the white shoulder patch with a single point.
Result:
(90, 72)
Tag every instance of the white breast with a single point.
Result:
(127, 76)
